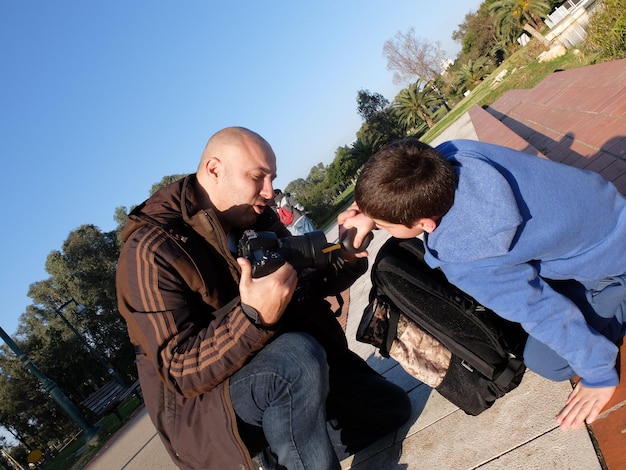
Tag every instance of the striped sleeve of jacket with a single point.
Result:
(178, 315)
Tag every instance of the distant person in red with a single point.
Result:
(292, 214)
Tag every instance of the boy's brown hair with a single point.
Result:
(404, 182)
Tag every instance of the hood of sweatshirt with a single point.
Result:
(484, 219)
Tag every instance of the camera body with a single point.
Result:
(267, 252)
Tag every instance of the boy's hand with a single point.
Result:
(583, 405)
(270, 294)
(353, 217)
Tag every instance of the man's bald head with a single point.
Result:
(231, 137)
(236, 171)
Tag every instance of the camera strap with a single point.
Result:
(341, 303)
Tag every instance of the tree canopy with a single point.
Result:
(83, 271)
(411, 57)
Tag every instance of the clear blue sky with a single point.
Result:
(100, 100)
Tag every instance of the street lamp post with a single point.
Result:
(106, 364)
(51, 388)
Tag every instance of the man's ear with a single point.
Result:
(427, 224)
(213, 167)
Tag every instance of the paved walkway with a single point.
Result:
(519, 431)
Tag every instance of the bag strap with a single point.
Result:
(512, 369)
(392, 330)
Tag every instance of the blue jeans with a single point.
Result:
(604, 308)
(283, 390)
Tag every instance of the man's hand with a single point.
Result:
(583, 405)
(270, 294)
(353, 217)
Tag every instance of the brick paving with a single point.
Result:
(577, 117)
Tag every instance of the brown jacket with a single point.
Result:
(178, 290)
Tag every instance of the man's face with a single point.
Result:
(244, 185)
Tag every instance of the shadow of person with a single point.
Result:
(562, 151)
(387, 452)
(610, 162)
(558, 150)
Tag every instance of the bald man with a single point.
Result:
(232, 366)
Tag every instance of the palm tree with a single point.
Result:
(360, 152)
(513, 16)
(415, 104)
(473, 71)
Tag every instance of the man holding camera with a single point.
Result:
(233, 365)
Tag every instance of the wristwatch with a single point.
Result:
(253, 314)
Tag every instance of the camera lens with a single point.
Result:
(305, 251)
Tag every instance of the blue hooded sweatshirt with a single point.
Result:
(516, 219)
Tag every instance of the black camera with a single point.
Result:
(267, 252)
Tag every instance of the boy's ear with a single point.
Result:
(426, 224)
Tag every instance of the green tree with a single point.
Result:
(514, 16)
(166, 180)
(381, 124)
(370, 104)
(342, 169)
(415, 104)
(477, 35)
(26, 410)
(317, 174)
(297, 186)
(361, 151)
(84, 270)
(315, 193)
(473, 72)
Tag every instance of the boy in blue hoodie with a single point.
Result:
(504, 226)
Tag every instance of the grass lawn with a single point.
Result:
(77, 453)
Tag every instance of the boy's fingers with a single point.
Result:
(576, 413)
(570, 418)
(593, 414)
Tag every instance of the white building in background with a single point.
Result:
(445, 63)
(568, 23)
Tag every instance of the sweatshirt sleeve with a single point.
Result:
(517, 293)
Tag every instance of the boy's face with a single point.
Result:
(400, 230)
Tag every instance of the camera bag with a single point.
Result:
(438, 333)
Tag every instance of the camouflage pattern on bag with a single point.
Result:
(374, 324)
(420, 354)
